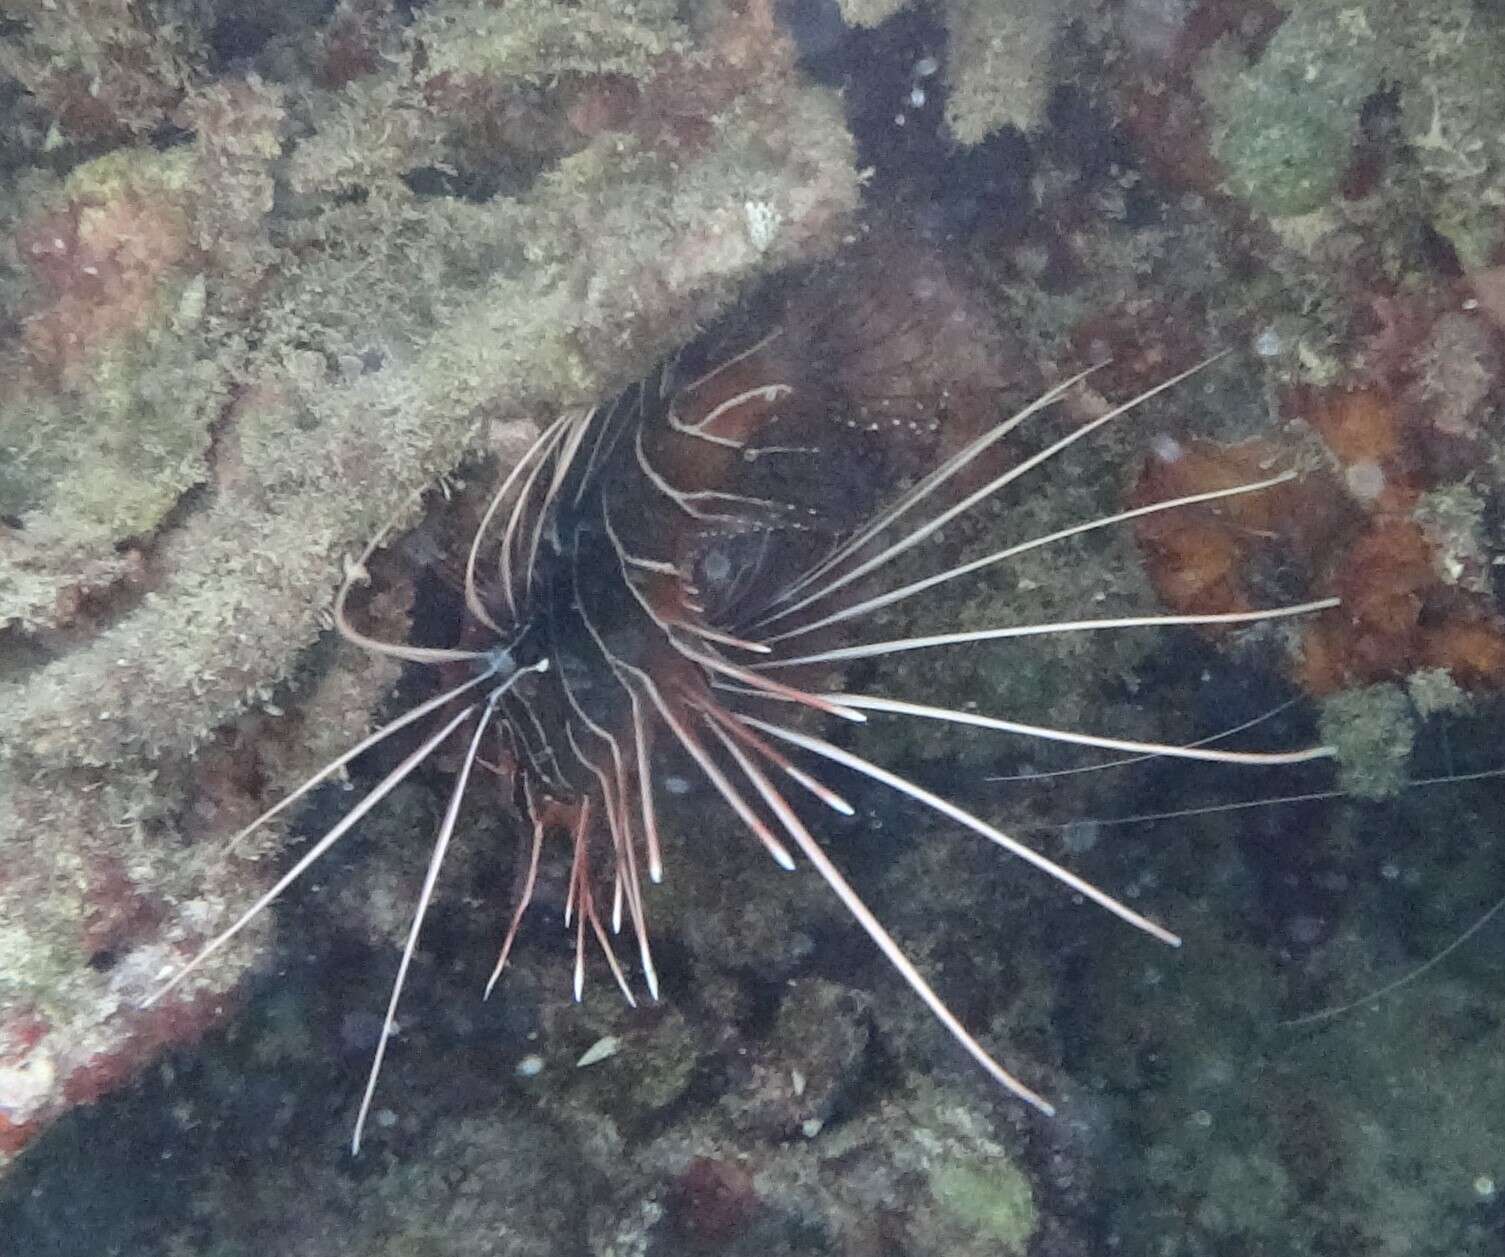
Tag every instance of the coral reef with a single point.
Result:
(532, 1124)
(232, 357)
(1375, 522)
(100, 70)
(1254, 1126)
(1353, 152)
(425, 242)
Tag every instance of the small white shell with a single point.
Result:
(599, 1051)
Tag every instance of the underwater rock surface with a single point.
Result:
(230, 356)
(263, 281)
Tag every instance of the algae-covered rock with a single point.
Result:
(998, 63)
(635, 1066)
(1316, 1074)
(922, 1172)
(985, 1203)
(112, 390)
(999, 66)
(809, 1063)
(538, 40)
(95, 71)
(127, 279)
(1374, 730)
(1287, 124)
(861, 13)
(969, 1196)
(269, 357)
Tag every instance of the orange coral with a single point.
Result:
(1363, 430)
(1202, 559)
(1472, 650)
(1384, 576)
(1352, 535)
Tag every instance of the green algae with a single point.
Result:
(976, 1200)
(1286, 124)
(991, 1202)
(1373, 730)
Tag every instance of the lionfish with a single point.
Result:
(682, 567)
